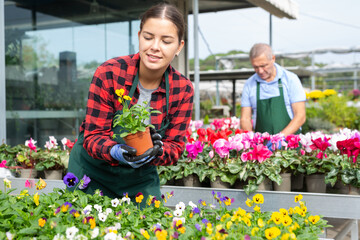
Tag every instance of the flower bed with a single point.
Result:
(65, 214)
(224, 151)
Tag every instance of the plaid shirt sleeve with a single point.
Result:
(101, 107)
(180, 112)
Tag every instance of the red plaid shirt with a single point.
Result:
(102, 104)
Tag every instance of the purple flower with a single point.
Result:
(175, 235)
(84, 182)
(72, 211)
(118, 213)
(205, 221)
(70, 180)
(198, 227)
(196, 210)
(247, 237)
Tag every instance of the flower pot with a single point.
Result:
(54, 174)
(28, 173)
(315, 183)
(219, 184)
(141, 141)
(285, 186)
(265, 185)
(239, 184)
(192, 180)
(297, 182)
(341, 188)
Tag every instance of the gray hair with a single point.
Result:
(259, 49)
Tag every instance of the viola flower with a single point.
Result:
(314, 219)
(222, 147)
(95, 233)
(70, 180)
(42, 222)
(115, 202)
(298, 198)
(84, 182)
(98, 207)
(7, 183)
(41, 184)
(161, 234)
(157, 203)
(272, 233)
(36, 199)
(248, 202)
(102, 216)
(65, 207)
(139, 197)
(258, 198)
(145, 233)
(71, 232)
(198, 227)
(180, 206)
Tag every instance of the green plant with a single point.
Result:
(50, 160)
(132, 120)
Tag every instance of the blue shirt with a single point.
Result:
(293, 90)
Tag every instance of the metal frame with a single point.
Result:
(2, 74)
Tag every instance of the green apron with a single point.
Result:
(115, 181)
(271, 113)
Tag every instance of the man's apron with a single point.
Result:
(115, 181)
(271, 113)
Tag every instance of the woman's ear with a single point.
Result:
(181, 45)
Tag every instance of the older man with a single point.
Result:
(273, 97)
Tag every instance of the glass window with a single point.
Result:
(50, 61)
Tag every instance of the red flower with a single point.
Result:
(202, 135)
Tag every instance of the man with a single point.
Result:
(273, 97)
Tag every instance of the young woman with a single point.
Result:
(146, 76)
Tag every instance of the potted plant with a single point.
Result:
(131, 123)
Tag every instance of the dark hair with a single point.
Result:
(167, 11)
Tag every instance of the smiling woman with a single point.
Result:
(145, 77)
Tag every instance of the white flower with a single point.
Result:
(32, 141)
(212, 206)
(110, 236)
(128, 235)
(175, 219)
(125, 199)
(192, 205)
(108, 211)
(87, 209)
(59, 237)
(71, 232)
(118, 226)
(180, 206)
(95, 233)
(115, 202)
(81, 237)
(102, 217)
(98, 207)
(9, 235)
(178, 213)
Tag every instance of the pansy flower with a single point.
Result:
(70, 180)
(84, 182)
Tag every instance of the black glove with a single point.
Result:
(156, 138)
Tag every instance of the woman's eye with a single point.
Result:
(166, 42)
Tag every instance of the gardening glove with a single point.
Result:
(126, 155)
(156, 139)
(273, 146)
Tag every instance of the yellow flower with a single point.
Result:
(157, 203)
(329, 92)
(241, 212)
(272, 233)
(23, 193)
(260, 223)
(161, 234)
(283, 211)
(7, 183)
(298, 197)
(246, 221)
(41, 184)
(225, 216)
(229, 224)
(249, 203)
(277, 217)
(139, 198)
(316, 94)
(292, 236)
(120, 92)
(92, 223)
(254, 231)
(209, 229)
(258, 199)
(257, 208)
(145, 233)
(285, 236)
(42, 222)
(286, 221)
(291, 211)
(36, 199)
(314, 219)
(127, 98)
(182, 229)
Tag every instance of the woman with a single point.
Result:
(146, 76)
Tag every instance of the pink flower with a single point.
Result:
(245, 156)
(211, 154)
(236, 142)
(194, 149)
(293, 141)
(260, 153)
(3, 164)
(222, 147)
(29, 184)
(31, 144)
(217, 123)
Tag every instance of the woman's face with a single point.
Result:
(158, 43)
